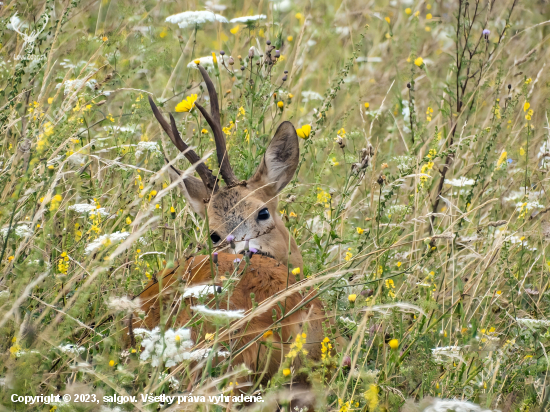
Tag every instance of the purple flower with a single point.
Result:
(230, 238)
(237, 261)
(486, 33)
(253, 250)
(215, 257)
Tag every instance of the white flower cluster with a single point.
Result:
(105, 240)
(172, 382)
(248, 19)
(521, 206)
(171, 350)
(454, 405)
(404, 163)
(461, 182)
(123, 304)
(193, 18)
(151, 147)
(308, 95)
(76, 84)
(446, 353)
(534, 323)
(19, 230)
(71, 349)
(85, 208)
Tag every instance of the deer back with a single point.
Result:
(264, 278)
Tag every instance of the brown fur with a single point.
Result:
(265, 278)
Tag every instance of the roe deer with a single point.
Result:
(244, 215)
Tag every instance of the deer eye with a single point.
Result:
(263, 214)
(215, 237)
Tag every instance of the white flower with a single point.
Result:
(463, 181)
(247, 19)
(105, 240)
(76, 84)
(199, 354)
(207, 62)
(197, 291)
(219, 314)
(521, 206)
(77, 159)
(151, 147)
(534, 323)
(192, 18)
(451, 352)
(447, 405)
(308, 95)
(406, 111)
(123, 304)
(215, 6)
(20, 231)
(85, 208)
(282, 5)
(172, 382)
(171, 349)
(72, 349)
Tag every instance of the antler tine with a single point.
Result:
(214, 121)
(171, 130)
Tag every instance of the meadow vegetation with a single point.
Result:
(420, 204)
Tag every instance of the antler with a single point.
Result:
(171, 130)
(213, 120)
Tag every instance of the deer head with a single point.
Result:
(243, 210)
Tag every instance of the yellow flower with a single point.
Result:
(267, 334)
(394, 344)
(214, 58)
(104, 38)
(359, 230)
(234, 30)
(177, 338)
(408, 10)
(128, 220)
(187, 104)
(429, 16)
(286, 372)
(429, 6)
(209, 336)
(502, 158)
(10, 258)
(304, 131)
(427, 28)
(163, 33)
(499, 292)
(521, 151)
(387, 19)
(398, 264)
(419, 61)
(197, 61)
(111, 363)
(296, 271)
(352, 297)
(526, 106)
(371, 396)
(280, 104)
(290, 95)
(290, 38)
(50, 100)
(172, 210)
(367, 105)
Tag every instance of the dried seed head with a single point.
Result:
(242, 68)
(408, 85)
(277, 53)
(222, 53)
(251, 52)
(284, 78)
(340, 142)
(268, 42)
(285, 72)
(231, 61)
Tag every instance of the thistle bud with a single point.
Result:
(231, 240)
(215, 258)
(247, 243)
(486, 33)
(251, 53)
(222, 53)
(346, 362)
(242, 68)
(285, 77)
(231, 61)
(268, 42)
(285, 72)
(277, 53)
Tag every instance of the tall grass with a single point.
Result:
(421, 190)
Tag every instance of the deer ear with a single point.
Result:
(192, 188)
(280, 160)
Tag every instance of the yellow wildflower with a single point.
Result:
(111, 363)
(359, 230)
(304, 131)
(290, 38)
(394, 344)
(419, 61)
(286, 372)
(280, 104)
(352, 297)
(296, 271)
(187, 104)
(429, 16)
(526, 106)
(408, 10)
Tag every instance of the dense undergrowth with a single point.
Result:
(437, 244)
